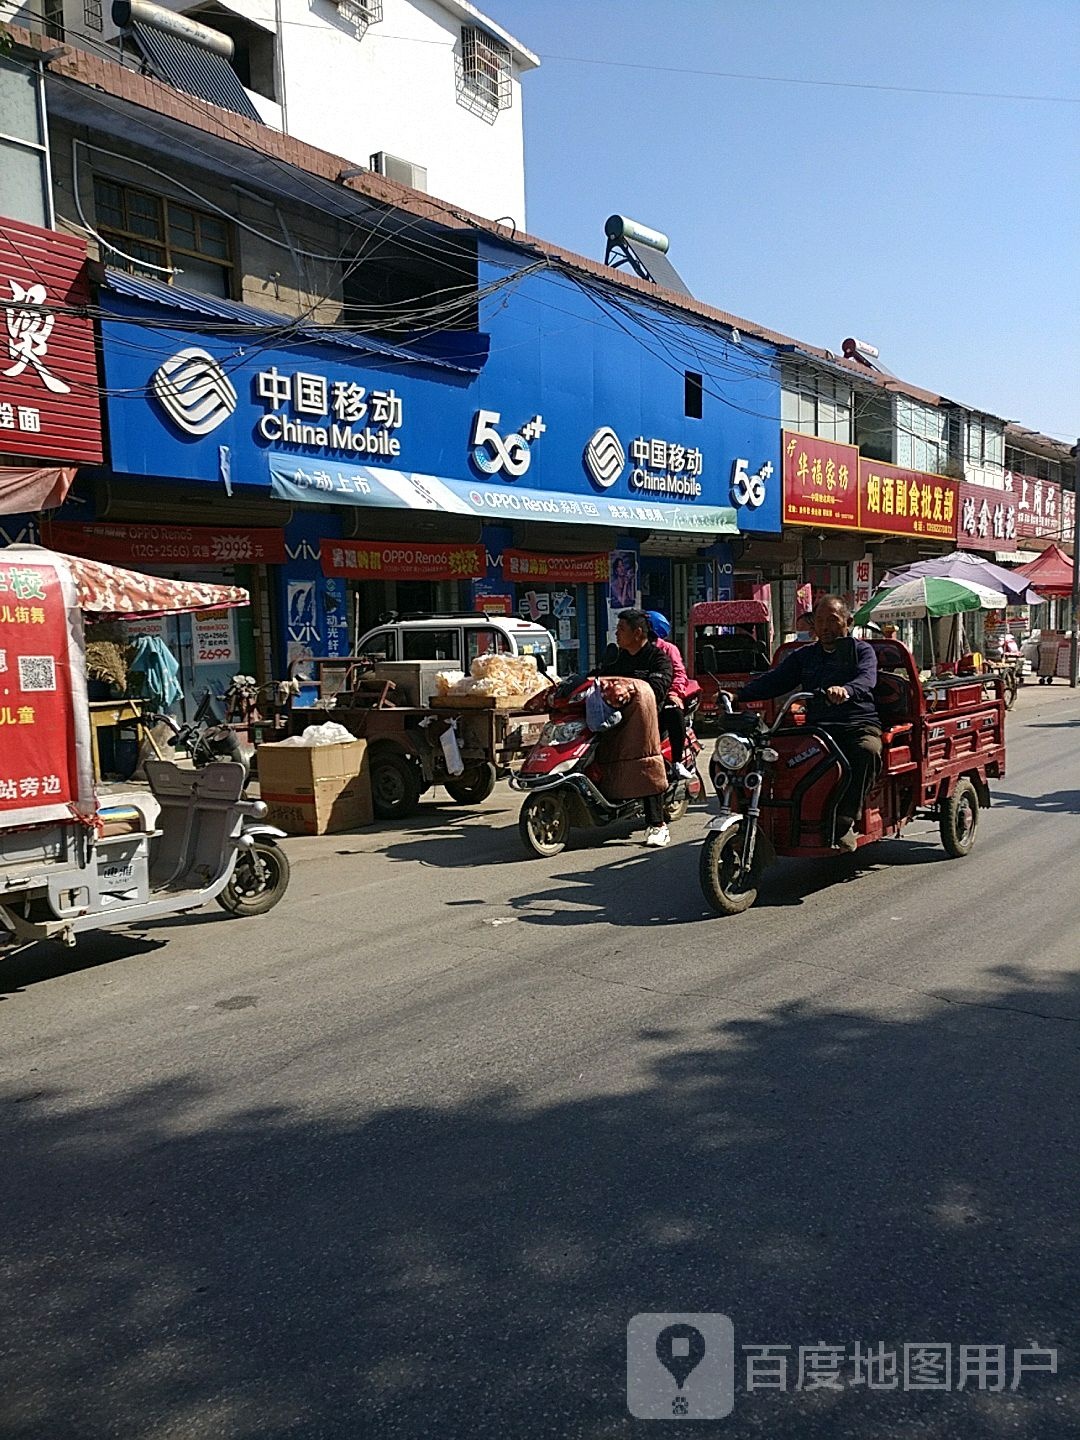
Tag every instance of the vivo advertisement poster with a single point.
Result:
(558, 426)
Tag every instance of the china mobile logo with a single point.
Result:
(194, 391)
(492, 453)
(28, 332)
(604, 457)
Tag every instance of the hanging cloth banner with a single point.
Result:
(179, 545)
(558, 569)
(27, 492)
(397, 560)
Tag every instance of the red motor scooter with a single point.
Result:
(564, 780)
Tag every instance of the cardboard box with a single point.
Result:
(315, 789)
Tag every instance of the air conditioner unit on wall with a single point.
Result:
(403, 171)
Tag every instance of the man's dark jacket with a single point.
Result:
(852, 664)
(649, 664)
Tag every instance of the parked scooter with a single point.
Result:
(564, 779)
(203, 740)
(261, 874)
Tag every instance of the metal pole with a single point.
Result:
(1076, 574)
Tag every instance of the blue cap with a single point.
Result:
(660, 623)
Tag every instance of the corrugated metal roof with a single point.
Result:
(232, 312)
(193, 69)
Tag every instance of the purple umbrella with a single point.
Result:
(963, 565)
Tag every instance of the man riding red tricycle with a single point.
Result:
(779, 780)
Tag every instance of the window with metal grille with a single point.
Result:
(360, 13)
(1037, 467)
(165, 234)
(92, 16)
(485, 71)
(52, 17)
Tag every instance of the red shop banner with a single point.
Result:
(374, 560)
(38, 766)
(987, 518)
(49, 403)
(821, 483)
(897, 501)
(1040, 508)
(558, 569)
(135, 546)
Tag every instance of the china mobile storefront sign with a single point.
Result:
(49, 403)
(832, 487)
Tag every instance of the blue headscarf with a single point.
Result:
(661, 625)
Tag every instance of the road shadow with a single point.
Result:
(1053, 802)
(660, 887)
(180, 1264)
(28, 965)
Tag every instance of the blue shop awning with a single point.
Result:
(233, 314)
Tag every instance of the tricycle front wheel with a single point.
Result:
(258, 882)
(726, 885)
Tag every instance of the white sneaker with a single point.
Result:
(658, 836)
(683, 772)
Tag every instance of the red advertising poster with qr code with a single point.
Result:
(40, 692)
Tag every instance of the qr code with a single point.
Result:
(37, 672)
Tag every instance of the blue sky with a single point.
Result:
(944, 230)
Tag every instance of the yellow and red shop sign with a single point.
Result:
(556, 569)
(832, 487)
(821, 483)
(897, 501)
(395, 560)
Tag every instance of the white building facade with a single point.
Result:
(427, 92)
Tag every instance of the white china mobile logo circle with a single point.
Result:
(194, 391)
(604, 457)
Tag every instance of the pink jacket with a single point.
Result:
(680, 683)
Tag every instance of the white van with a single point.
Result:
(458, 639)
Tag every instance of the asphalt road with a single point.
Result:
(403, 1157)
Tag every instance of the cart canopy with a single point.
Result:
(112, 591)
(729, 612)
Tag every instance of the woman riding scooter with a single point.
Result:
(673, 707)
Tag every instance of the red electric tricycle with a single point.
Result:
(779, 779)
(727, 641)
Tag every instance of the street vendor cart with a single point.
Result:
(68, 863)
(462, 742)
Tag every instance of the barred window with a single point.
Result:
(485, 71)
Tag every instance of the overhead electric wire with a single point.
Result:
(753, 78)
